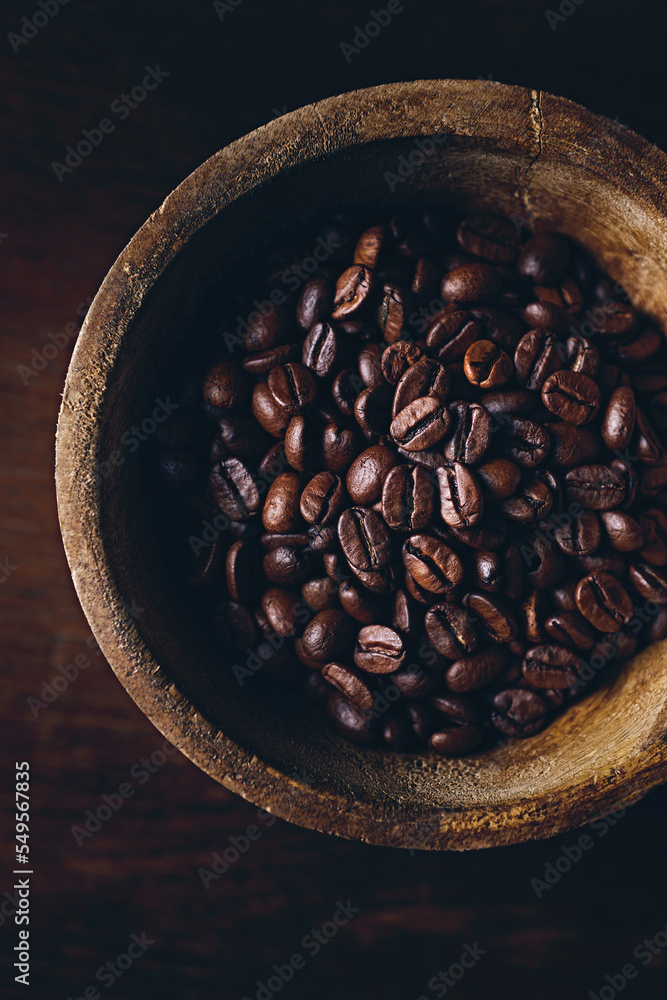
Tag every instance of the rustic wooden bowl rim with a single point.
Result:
(393, 110)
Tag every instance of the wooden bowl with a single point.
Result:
(460, 143)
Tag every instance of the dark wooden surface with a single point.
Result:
(139, 872)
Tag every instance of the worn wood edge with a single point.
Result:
(338, 122)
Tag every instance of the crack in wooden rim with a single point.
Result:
(515, 119)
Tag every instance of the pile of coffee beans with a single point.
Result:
(424, 482)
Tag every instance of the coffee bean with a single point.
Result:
(499, 477)
(623, 532)
(523, 441)
(370, 245)
(649, 582)
(351, 683)
(320, 349)
(426, 280)
(421, 424)
(353, 290)
(580, 535)
(349, 721)
(489, 236)
(619, 419)
(424, 378)
(551, 666)
(596, 487)
(617, 320)
(379, 650)
(281, 508)
(571, 396)
(392, 313)
(340, 447)
(372, 409)
(474, 671)
(652, 530)
(287, 564)
(226, 385)
(328, 636)
(532, 501)
(547, 316)
(545, 561)
(470, 282)
(234, 489)
(412, 680)
(571, 445)
(315, 302)
(544, 258)
(648, 446)
(368, 472)
(280, 606)
(486, 365)
(267, 412)
(364, 539)
(538, 355)
(451, 629)
(345, 388)
(432, 564)
(457, 741)
(450, 334)
(495, 618)
(603, 601)
(360, 604)
(397, 358)
(292, 387)
(407, 498)
(322, 499)
(320, 593)
(582, 356)
(241, 570)
(262, 362)
(472, 433)
(461, 501)
(571, 629)
(519, 712)
(267, 329)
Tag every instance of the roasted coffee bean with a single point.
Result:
(369, 246)
(370, 365)
(564, 596)
(652, 529)
(647, 444)
(472, 433)
(424, 378)
(379, 649)
(320, 593)
(603, 601)
(320, 349)
(571, 629)
(351, 683)
(364, 539)
(315, 302)
(392, 312)
(267, 412)
(281, 508)
(519, 712)
(240, 436)
(488, 570)
(432, 564)
(545, 561)
(640, 349)
(580, 535)
(538, 355)
(397, 358)
(421, 424)
(495, 618)
(499, 477)
(544, 258)
(328, 636)
(426, 280)
(523, 441)
(547, 316)
(322, 499)
(605, 561)
(486, 365)
(226, 385)
(287, 564)
(408, 497)
(403, 613)
(413, 680)
(489, 236)
(451, 629)
(551, 666)
(340, 446)
(623, 531)
(280, 608)
(619, 419)
(657, 629)
(241, 570)
(345, 388)
(372, 409)
(355, 724)
(595, 487)
(234, 489)
(353, 290)
(582, 356)
(615, 320)
(361, 605)
(531, 614)
(571, 396)
(474, 671)
(489, 533)
(262, 362)
(300, 446)
(450, 334)
(531, 502)
(292, 387)
(461, 500)
(267, 329)
(456, 741)
(649, 582)
(470, 283)
(368, 472)
(572, 445)
(457, 709)
(518, 402)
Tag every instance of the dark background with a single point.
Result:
(139, 872)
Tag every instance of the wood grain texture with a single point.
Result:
(139, 871)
